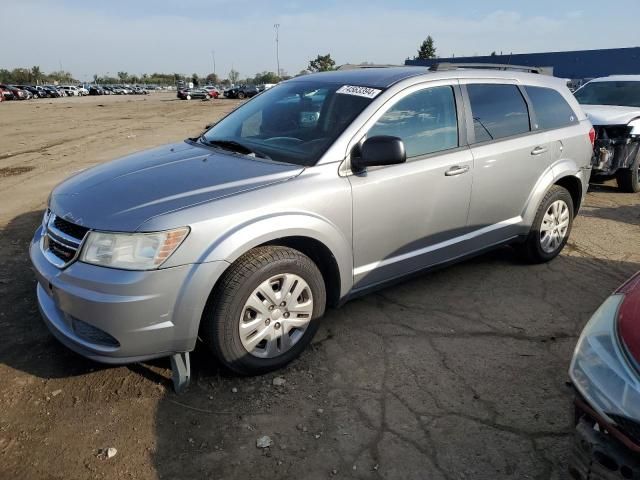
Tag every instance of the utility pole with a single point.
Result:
(213, 57)
(277, 27)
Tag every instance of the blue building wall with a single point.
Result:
(581, 64)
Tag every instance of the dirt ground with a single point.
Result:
(458, 374)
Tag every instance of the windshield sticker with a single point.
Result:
(359, 91)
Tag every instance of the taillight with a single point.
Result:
(629, 317)
(592, 136)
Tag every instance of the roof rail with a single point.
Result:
(352, 66)
(442, 67)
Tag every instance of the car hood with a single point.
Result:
(123, 194)
(610, 114)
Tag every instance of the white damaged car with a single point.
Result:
(613, 106)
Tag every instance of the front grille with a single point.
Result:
(59, 250)
(630, 428)
(71, 229)
(62, 240)
(92, 334)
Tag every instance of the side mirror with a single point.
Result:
(380, 150)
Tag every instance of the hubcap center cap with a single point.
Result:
(276, 314)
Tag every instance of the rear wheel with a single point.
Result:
(188, 97)
(629, 178)
(240, 95)
(265, 310)
(551, 226)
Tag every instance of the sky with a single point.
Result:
(90, 37)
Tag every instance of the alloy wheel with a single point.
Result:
(554, 227)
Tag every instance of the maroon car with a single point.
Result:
(605, 372)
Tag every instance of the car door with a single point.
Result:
(509, 156)
(406, 216)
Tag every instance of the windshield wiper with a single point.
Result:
(234, 146)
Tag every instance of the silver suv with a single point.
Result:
(319, 189)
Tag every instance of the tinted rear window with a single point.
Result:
(498, 111)
(552, 110)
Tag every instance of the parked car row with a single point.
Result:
(118, 90)
(27, 92)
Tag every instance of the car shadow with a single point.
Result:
(475, 354)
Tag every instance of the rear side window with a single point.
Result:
(499, 111)
(425, 120)
(552, 110)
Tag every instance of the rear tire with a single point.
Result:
(188, 97)
(629, 178)
(240, 95)
(551, 227)
(237, 305)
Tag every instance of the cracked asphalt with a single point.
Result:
(457, 374)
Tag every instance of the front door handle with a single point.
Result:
(539, 151)
(457, 170)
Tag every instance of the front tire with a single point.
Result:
(188, 97)
(629, 178)
(265, 310)
(240, 95)
(551, 226)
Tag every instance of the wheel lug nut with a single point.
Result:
(277, 325)
(271, 307)
(283, 304)
(286, 315)
(267, 321)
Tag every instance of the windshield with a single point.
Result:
(622, 93)
(295, 122)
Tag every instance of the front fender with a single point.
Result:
(232, 244)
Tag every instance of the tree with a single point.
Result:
(95, 78)
(123, 76)
(322, 63)
(302, 72)
(36, 74)
(493, 54)
(195, 79)
(234, 76)
(212, 79)
(266, 77)
(427, 49)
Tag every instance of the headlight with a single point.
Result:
(131, 251)
(634, 126)
(600, 370)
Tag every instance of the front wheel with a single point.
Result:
(188, 97)
(264, 311)
(629, 178)
(240, 95)
(551, 226)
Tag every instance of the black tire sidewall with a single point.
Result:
(225, 317)
(534, 244)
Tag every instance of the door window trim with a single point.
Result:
(361, 134)
(471, 134)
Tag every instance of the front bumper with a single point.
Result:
(596, 456)
(120, 316)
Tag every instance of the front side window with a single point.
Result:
(552, 110)
(499, 111)
(425, 120)
(622, 93)
(295, 122)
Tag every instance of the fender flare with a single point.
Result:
(235, 242)
(561, 169)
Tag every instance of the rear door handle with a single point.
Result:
(539, 150)
(457, 170)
